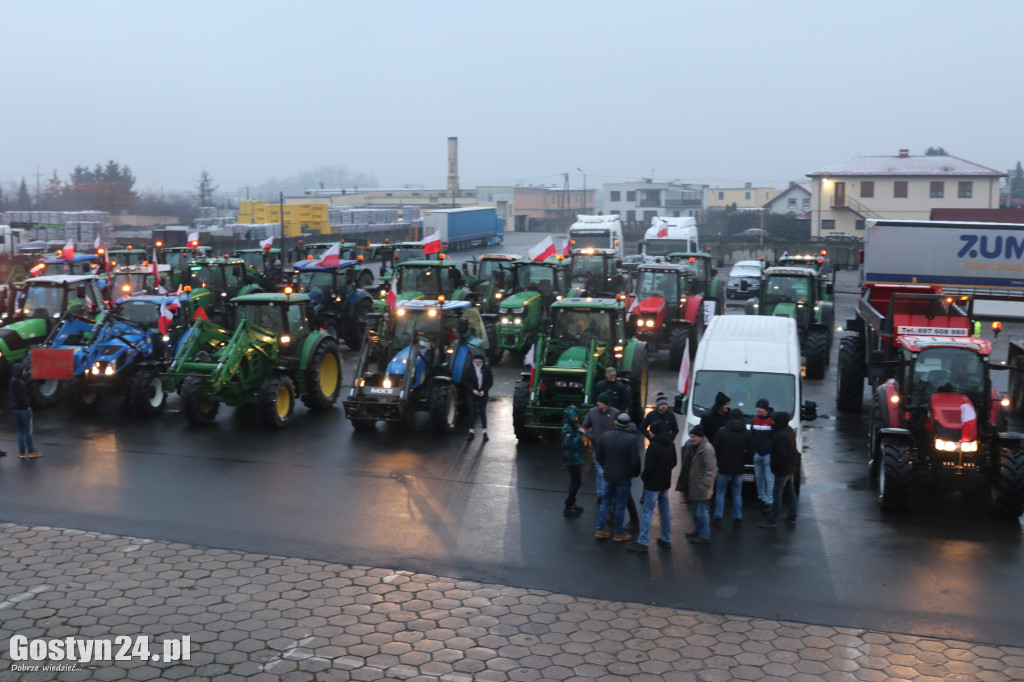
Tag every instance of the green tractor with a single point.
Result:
(442, 336)
(526, 293)
(423, 279)
(340, 305)
(799, 292)
(37, 306)
(596, 273)
(583, 337)
(225, 278)
(268, 262)
(705, 280)
(274, 355)
(479, 272)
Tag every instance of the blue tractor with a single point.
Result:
(340, 305)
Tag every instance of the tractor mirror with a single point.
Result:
(808, 411)
(680, 403)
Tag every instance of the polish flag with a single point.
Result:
(267, 243)
(193, 240)
(543, 250)
(968, 423)
(68, 252)
(662, 231)
(684, 370)
(432, 244)
(96, 243)
(166, 315)
(391, 299)
(331, 257)
(565, 248)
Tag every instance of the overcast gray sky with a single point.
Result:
(713, 92)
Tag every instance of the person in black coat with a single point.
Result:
(659, 462)
(619, 454)
(785, 465)
(618, 389)
(716, 416)
(734, 448)
(660, 419)
(477, 380)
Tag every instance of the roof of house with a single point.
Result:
(979, 215)
(803, 186)
(905, 165)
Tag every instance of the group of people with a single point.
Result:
(713, 464)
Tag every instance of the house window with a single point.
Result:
(631, 216)
(858, 224)
(631, 196)
(721, 196)
(748, 196)
(807, 203)
(828, 224)
(867, 189)
(965, 190)
(899, 189)
(936, 190)
(791, 202)
(616, 196)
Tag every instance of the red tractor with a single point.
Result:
(934, 413)
(666, 309)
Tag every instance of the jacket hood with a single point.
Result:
(664, 437)
(18, 370)
(781, 420)
(571, 414)
(735, 422)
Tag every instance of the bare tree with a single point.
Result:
(205, 189)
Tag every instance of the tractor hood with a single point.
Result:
(572, 358)
(410, 296)
(946, 409)
(652, 305)
(399, 361)
(519, 300)
(784, 310)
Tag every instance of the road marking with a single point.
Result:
(389, 578)
(23, 596)
(292, 654)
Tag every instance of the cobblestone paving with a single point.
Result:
(255, 617)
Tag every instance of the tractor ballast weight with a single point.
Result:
(273, 355)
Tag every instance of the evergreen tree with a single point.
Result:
(24, 202)
(205, 189)
(936, 151)
(1016, 183)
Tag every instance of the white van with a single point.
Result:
(596, 232)
(749, 357)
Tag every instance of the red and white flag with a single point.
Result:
(565, 248)
(544, 250)
(193, 240)
(156, 276)
(683, 386)
(96, 242)
(267, 243)
(391, 298)
(166, 315)
(432, 244)
(68, 252)
(663, 231)
(968, 423)
(331, 257)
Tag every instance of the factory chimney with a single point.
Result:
(453, 168)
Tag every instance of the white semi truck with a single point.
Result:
(669, 235)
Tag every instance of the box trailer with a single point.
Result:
(465, 228)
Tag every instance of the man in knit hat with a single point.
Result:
(660, 419)
(716, 416)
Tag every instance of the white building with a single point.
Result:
(795, 200)
(637, 202)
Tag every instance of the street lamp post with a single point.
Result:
(584, 189)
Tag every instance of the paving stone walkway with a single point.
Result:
(259, 618)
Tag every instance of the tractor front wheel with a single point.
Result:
(520, 401)
(677, 346)
(358, 323)
(444, 407)
(895, 475)
(1006, 489)
(198, 407)
(81, 399)
(851, 373)
(816, 353)
(275, 402)
(323, 376)
(146, 393)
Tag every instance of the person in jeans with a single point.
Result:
(762, 429)
(659, 462)
(701, 483)
(600, 420)
(733, 448)
(17, 393)
(618, 453)
(785, 466)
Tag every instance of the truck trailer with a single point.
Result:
(465, 228)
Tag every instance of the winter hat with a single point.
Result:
(698, 431)
(780, 419)
(571, 413)
(662, 399)
(604, 397)
(763, 402)
(736, 413)
(722, 399)
(622, 420)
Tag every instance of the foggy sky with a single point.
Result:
(718, 93)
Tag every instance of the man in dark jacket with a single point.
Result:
(786, 466)
(762, 428)
(618, 454)
(17, 393)
(716, 416)
(477, 379)
(660, 419)
(618, 390)
(733, 449)
(600, 420)
(659, 462)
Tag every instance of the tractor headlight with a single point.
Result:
(970, 446)
(568, 384)
(167, 339)
(286, 339)
(946, 445)
(649, 323)
(386, 383)
(109, 370)
(517, 320)
(1004, 401)
(498, 296)
(504, 320)
(95, 368)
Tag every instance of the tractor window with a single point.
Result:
(531, 276)
(656, 284)
(745, 389)
(663, 247)
(424, 280)
(41, 301)
(407, 323)
(143, 313)
(477, 332)
(948, 370)
(786, 290)
(298, 325)
(583, 266)
(486, 269)
(268, 316)
(580, 324)
(315, 282)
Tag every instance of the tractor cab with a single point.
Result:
(286, 317)
(180, 256)
(130, 280)
(595, 272)
(423, 279)
(50, 296)
(816, 263)
(267, 262)
(479, 271)
(124, 257)
(790, 292)
(224, 278)
(83, 264)
(339, 304)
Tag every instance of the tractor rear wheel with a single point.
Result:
(895, 474)
(358, 323)
(520, 401)
(494, 349)
(638, 382)
(197, 406)
(81, 399)
(444, 408)
(146, 393)
(816, 353)
(851, 373)
(1006, 489)
(275, 402)
(323, 376)
(677, 345)
(45, 393)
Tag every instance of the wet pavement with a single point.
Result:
(259, 618)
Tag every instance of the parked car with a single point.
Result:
(754, 234)
(745, 279)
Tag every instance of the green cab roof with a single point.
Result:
(271, 297)
(596, 303)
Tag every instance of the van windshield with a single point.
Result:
(744, 389)
(592, 239)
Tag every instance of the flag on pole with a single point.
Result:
(544, 250)
(193, 240)
(96, 242)
(267, 243)
(331, 257)
(156, 276)
(565, 248)
(166, 315)
(683, 385)
(969, 423)
(391, 299)
(68, 252)
(432, 244)
(663, 231)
